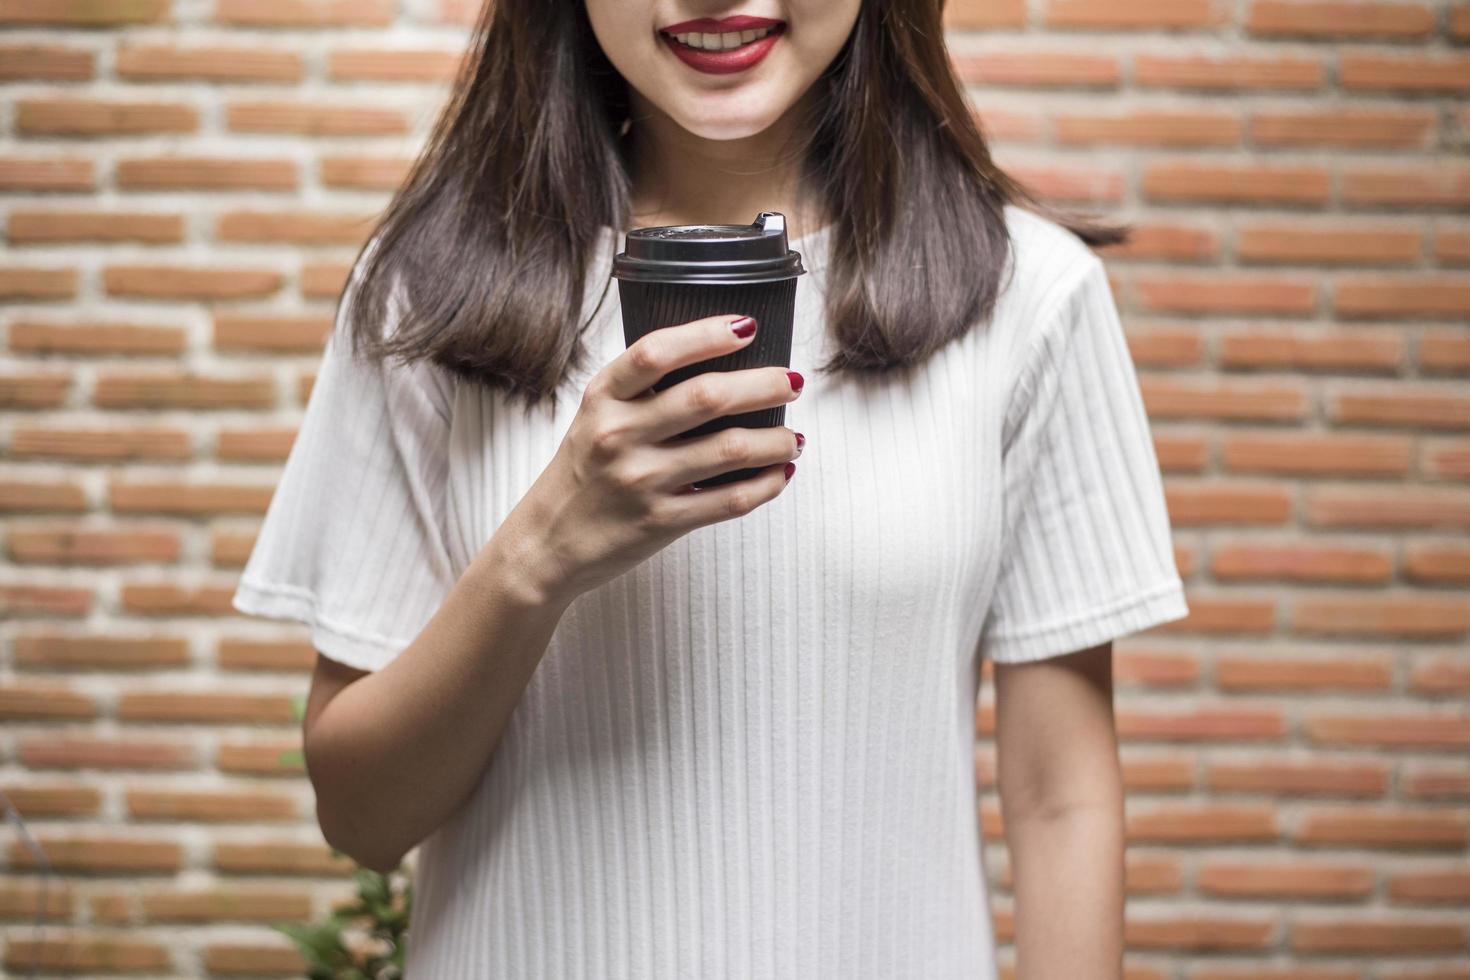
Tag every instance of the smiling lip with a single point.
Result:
(705, 25)
(724, 62)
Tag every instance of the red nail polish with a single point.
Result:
(800, 443)
(743, 327)
(796, 380)
(790, 469)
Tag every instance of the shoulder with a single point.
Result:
(1047, 260)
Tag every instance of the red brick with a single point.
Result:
(265, 655)
(1228, 71)
(205, 173)
(1314, 777)
(1300, 561)
(163, 62)
(1444, 351)
(1124, 15)
(1226, 503)
(45, 62)
(183, 389)
(98, 854)
(33, 173)
(49, 702)
(324, 280)
(1382, 828)
(1439, 677)
(1317, 454)
(1031, 68)
(49, 496)
(246, 959)
(1172, 242)
(172, 599)
(81, 13)
(94, 117)
(1452, 246)
(1395, 731)
(1225, 614)
(1198, 933)
(1410, 185)
(1092, 184)
(85, 954)
(276, 758)
(1209, 724)
(315, 119)
(34, 390)
(1428, 406)
(1418, 72)
(1340, 18)
(1401, 128)
(1167, 397)
(281, 334)
(1404, 507)
(1436, 784)
(204, 707)
(255, 445)
(1181, 454)
(1155, 669)
(305, 13)
(1330, 244)
(1236, 183)
(187, 498)
(65, 801)
(285, 857)
(399, 64)
(1150, 128)
(1359, 935)
(208, 806)
(83, 545)
(363, 173)
(190, 282)
(1224, 293)
(1446, 459)
(35, 227)
(56, 650)
(1450, 886)
(80, 752)
(1381, 615)
(36, 337)
(977, 14)
(1437, 564)
(294, 226)
(1311, 349)
(98, 445)
(44, 600)
(1281, 880)
(1403, 297)
(22, 282)
(1277, 673)
(1195, 823)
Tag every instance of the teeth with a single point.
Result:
(722, 42)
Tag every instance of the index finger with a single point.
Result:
(660, 351)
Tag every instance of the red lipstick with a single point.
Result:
(723, 61)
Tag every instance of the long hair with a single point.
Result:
(492, 233)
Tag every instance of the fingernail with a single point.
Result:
(743, 327)
(800, 442)
(796, 380)
(790, 469)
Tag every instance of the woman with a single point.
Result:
(647, 732)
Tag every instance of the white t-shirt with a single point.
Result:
(752, 755)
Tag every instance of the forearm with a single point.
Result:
(397, 751)
(1067, 872)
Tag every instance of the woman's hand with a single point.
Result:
(618, 489)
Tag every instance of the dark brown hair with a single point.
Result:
(493, 231)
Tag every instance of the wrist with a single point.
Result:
(521, 569)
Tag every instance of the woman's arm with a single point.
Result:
(392, 753)
(1061, 797)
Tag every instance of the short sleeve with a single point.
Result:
(1087, 554)
(352, 543)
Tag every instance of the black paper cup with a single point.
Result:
(672, 274)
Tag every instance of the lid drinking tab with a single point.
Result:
(756, 252)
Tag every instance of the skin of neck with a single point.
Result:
(681, 178)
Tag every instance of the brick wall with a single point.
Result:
(183, 184)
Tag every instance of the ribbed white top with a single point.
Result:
(752, 754)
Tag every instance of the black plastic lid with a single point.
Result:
(710, 253)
